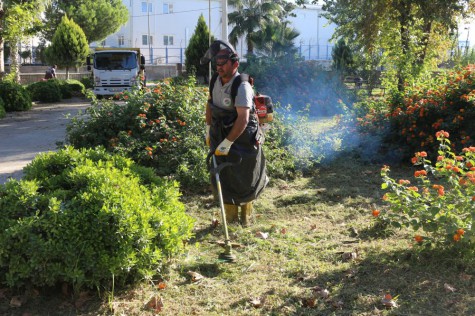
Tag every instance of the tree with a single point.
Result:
(411, 35)
(69, 46)
(276, 39)
(342, 57)
(197, 47)
(25, 55)
(21, 19)
(97, 18)
(251, 16)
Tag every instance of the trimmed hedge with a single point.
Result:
(76, 87)
(86, 217)
(2, 109)
(15, 96)
(45, 91)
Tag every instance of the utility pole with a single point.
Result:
(224, 19)
(148, 39)
(466, 42)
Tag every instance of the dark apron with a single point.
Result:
(243, 182)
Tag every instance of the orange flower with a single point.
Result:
(420, 173)
(415, 189)
(418, 238)
(402, 181)
(461, 231)
(442, 133)
(440, 158)
(473, 198)
(376, 213)
(414, 160)
(456, 237)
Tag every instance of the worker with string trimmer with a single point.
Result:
(233, 134)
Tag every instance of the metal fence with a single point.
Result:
(169, 55)
(316, 52)
(27, 78)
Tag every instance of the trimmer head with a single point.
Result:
(227, 257)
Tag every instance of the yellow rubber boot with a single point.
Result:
(231, 211)
(246, 211)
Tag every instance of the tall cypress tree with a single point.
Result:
(197, 47)
(69, 47)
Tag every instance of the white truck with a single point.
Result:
(116, 70)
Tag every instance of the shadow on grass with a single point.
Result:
(418, 279)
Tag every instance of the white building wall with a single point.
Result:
(315, 33)
(313, 42)
(179, 25)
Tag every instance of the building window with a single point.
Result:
(145, 41)
(167, 8)
(167, 40)
(121, 40)
(144, 7)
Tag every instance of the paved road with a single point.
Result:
(23, 135)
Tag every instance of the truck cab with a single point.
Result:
(116, 70)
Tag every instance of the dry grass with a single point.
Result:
(312, 223)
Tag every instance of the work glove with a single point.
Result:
(223, 148)
(207, 135)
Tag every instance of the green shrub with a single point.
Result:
(87, 82)
(87, 217)
(45, 91)
(2, 109)
(15, 96)
(65, 88)
(76, 87)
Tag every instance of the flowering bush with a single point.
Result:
(160, 127)
(441, 202)
(410, 119)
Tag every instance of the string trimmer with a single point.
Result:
(227, 255)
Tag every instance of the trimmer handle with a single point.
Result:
(216, 169)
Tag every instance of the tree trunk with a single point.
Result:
(425, 43)
(14, 66)
(250, 45)
(2, 42)
(404, 21)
